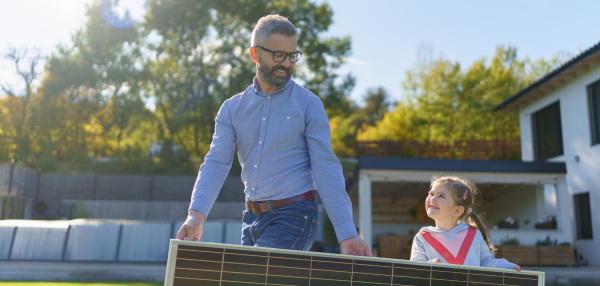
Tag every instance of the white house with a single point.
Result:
(558, 177)
(560, 122)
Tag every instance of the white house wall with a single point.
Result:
(520, 201)
(582, 160)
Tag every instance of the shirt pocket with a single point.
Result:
(289, 129)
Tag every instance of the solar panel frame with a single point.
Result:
(205, 263)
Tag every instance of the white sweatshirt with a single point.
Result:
(454, 245)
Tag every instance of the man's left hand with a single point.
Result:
(355, 246)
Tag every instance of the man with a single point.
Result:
(284, 147)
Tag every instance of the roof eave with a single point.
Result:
(554, 80)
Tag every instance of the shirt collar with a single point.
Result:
(276, 92)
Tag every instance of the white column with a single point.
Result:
(364, 209)
(550, 199)
(540, 203)
(565, 215)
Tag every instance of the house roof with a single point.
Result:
(555, 79)
(450, 165)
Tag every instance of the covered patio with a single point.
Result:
(392, 190)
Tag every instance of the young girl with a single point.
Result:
(459, 235)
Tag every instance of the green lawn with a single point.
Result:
(18, 283)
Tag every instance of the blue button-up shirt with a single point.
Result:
(284, 148)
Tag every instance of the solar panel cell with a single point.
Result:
(372, 273)
(288, 269)
(330, 271)
(194, 282)
(240, 266)
(412, 275)
(520, 279)
(444, 276)
(485, 278)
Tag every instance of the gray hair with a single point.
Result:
(272, 24)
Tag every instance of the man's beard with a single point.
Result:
(271, 78)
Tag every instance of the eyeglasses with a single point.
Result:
(280, 56)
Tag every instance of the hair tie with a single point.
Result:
(465, 195)
(469, 211)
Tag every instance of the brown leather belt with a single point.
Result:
(263, 206)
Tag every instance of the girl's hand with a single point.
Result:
(518, 268)
(437, 260)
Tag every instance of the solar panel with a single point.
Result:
(208, 264)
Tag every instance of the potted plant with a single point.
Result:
(508, 223)
(549, 223)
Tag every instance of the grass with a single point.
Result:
(18, 283)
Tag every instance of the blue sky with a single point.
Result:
(386, 34)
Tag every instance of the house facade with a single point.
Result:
(560, 122)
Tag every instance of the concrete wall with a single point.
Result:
(580, 157)
(31, 184)
(101, 240)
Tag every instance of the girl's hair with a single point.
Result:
(465, 193)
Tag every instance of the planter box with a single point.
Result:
(521, 255)
(556, 255)
(395, 246)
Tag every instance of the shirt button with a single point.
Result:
(264, 118)
(253, 189)
(268, 97)
(288, 117)
(255, 166)
(259, 142)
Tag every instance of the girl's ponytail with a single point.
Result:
(481, 226)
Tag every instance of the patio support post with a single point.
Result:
(364, 209)
(564, 211)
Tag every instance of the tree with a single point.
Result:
(202, 59)
(376, 105)
(26, 69)
(98, 82)
(446, 103)
(117, 88)
(346, 125)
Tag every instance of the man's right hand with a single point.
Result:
(192, 227)
(355, 246)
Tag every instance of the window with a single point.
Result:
(583, 216)
(593, 91)
(547, 132)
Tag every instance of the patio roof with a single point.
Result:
(426, 164)
(398, 176)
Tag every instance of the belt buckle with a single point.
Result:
(258, 208)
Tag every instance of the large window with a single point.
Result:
(547, 132)
(594, 106)
(583, 216)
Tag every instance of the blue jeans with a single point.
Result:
(290, 227)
